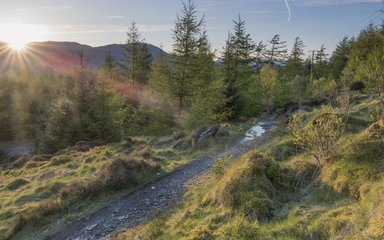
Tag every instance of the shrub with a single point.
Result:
(218, 166)
(356, 86)
(254, 187)
(319, 134)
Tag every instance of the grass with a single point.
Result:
(45, 192)
(258, 197)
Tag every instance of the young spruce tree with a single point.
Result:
(137, 56)
(186, 35)
(237, 58)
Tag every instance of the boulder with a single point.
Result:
(82, 146)
(210, 132)
(177, 135)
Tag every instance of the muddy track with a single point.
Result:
(140, 205)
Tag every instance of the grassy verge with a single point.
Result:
(270, 195)
(42, 193)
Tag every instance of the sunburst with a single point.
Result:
(17, 36)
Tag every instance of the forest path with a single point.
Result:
(140, 205)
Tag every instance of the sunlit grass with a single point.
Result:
(342, 201)
(34, 196)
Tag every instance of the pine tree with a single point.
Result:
(295, 60)
(292, 83)
(237, 57)
(161, 74)
(369, 38)
(260, 49)
(278, 50)
(340, 57)
(208, 98)
(138, 58)
(321, 63)
(242, 42)
(231, 91)
(186, 34)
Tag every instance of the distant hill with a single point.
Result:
(60, 56)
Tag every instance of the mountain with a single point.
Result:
(60, 56)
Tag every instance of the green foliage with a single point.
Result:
(251, 98)
(219, 166)
(237, 56)
(137, 56)
(268, 81)
(277, 52)
(319, 134)
(371, 72)
(367, 41)
(323, 86)
(150, 121)
(106, 115)
(340, 57)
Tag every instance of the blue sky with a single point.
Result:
(101, 22)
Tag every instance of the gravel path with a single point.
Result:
(137, 207)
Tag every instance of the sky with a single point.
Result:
(102, 22)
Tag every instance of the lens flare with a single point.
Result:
(17, 36)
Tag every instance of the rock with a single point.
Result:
(67, 173)
(91, 227)
(177, 135)
(82, 146)
(47, 175)
(197, 133)
(210, 132)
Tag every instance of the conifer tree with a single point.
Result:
(237, 57)
(369, 38)
(277, 51)
(321, 63)
(186, 34)
(295, 60)
(137, 56)
(340, 57)
(260, 49)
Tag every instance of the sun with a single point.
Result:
(17, 45)
(17, 36)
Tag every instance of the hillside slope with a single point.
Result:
(60, 56)
(279, 192)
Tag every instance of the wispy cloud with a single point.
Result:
(289, 10)
(81, 29)
(58, 8)
(155, 28)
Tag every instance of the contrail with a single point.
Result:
(289, 10)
